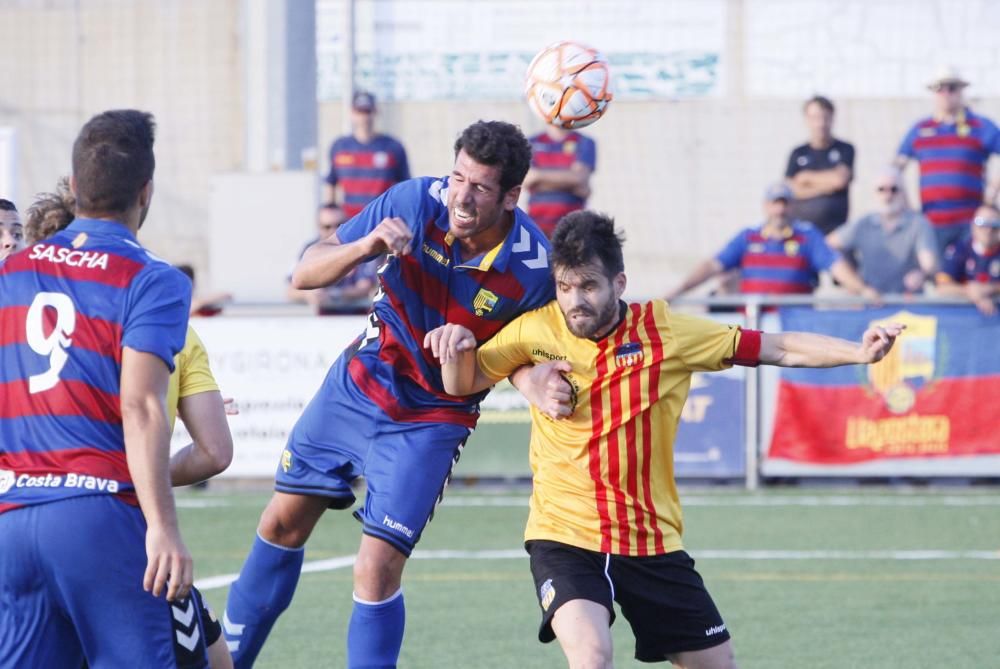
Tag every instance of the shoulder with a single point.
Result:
(841, 145)
(799, 150)
(390, 142)
(806, 229)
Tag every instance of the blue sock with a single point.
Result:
(375, 634)
(263, 590)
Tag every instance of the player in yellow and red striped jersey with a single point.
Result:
(608, 383)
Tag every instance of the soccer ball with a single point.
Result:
(568, 85)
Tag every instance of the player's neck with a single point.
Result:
(126, 220)
(364, 136)
(821, 142)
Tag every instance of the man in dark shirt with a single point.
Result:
(820, 171)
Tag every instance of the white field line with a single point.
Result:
(344, 561)
(897, 500)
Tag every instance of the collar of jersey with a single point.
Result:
(961, 117)
(497, 257)
(96, 226)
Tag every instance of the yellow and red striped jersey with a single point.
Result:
(604, 477)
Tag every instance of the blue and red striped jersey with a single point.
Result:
(365, 171)
(547, 207)
(68, 307)
(432, 286)
(952, 158)
(965, 262)
(789, 263)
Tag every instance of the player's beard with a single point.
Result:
(597, 323)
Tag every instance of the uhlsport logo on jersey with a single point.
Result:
(484, 302)
(628, 354)
(6, 480)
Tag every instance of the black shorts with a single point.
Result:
(662, 596)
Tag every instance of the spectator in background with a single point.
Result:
(364, 164)
(49, 213)
(820, 171)
(952, 148)
(350, 295)
(204, 305)
(972, 266)
(11, 230)
(559, 179)
(782, 256)
(894, 246)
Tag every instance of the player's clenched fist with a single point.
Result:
(392, 235)
(447, 341)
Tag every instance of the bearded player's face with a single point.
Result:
(588, 298)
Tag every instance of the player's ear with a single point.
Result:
(72, 185)
(619, 281)
(511, 197)
(146, 194)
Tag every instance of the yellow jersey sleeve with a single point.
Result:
(191, 374)
(505, 352)
(703, 345)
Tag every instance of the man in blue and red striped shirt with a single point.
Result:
(952, 148)
(971, 267)
(461, 252)
(780, 257)
(364, 164)
(90, 323)
(559, 179)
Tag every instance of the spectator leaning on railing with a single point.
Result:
(781, 256)
(972, 266)
(894, 246)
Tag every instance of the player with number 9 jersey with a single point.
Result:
(90, 323)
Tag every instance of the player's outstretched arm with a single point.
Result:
(806, 349)
(455, 348)
(144, 379)
(329, 261)
(211, 452)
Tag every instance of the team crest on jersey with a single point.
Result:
(569, 147)
(628, 355)
(286, 460)
(546, 594)
(380, 159)
(484, 302)
(6, 480)
(791, 247)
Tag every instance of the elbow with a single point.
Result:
(219, 454)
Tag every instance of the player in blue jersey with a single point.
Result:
(89, 326)
(461, 251)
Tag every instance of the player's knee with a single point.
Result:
(283, 529)
(376, 576)
(590, 655)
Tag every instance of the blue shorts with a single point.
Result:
(342, 435)
(71, 590)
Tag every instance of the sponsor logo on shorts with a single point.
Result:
(6, 480)
(286, 460)
(546, 594)
(72, 480)
(397, 526)
(718, 629)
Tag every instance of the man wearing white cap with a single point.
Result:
(952, 148)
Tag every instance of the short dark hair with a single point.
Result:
(824, 103)
(113, 160)
(49, 213)
(331, 206)
(7, 205)
(499, 144)
(187, 270)
(582, 236)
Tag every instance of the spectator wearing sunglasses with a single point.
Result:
(972, 266)
(893, 247)
(952, 148)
